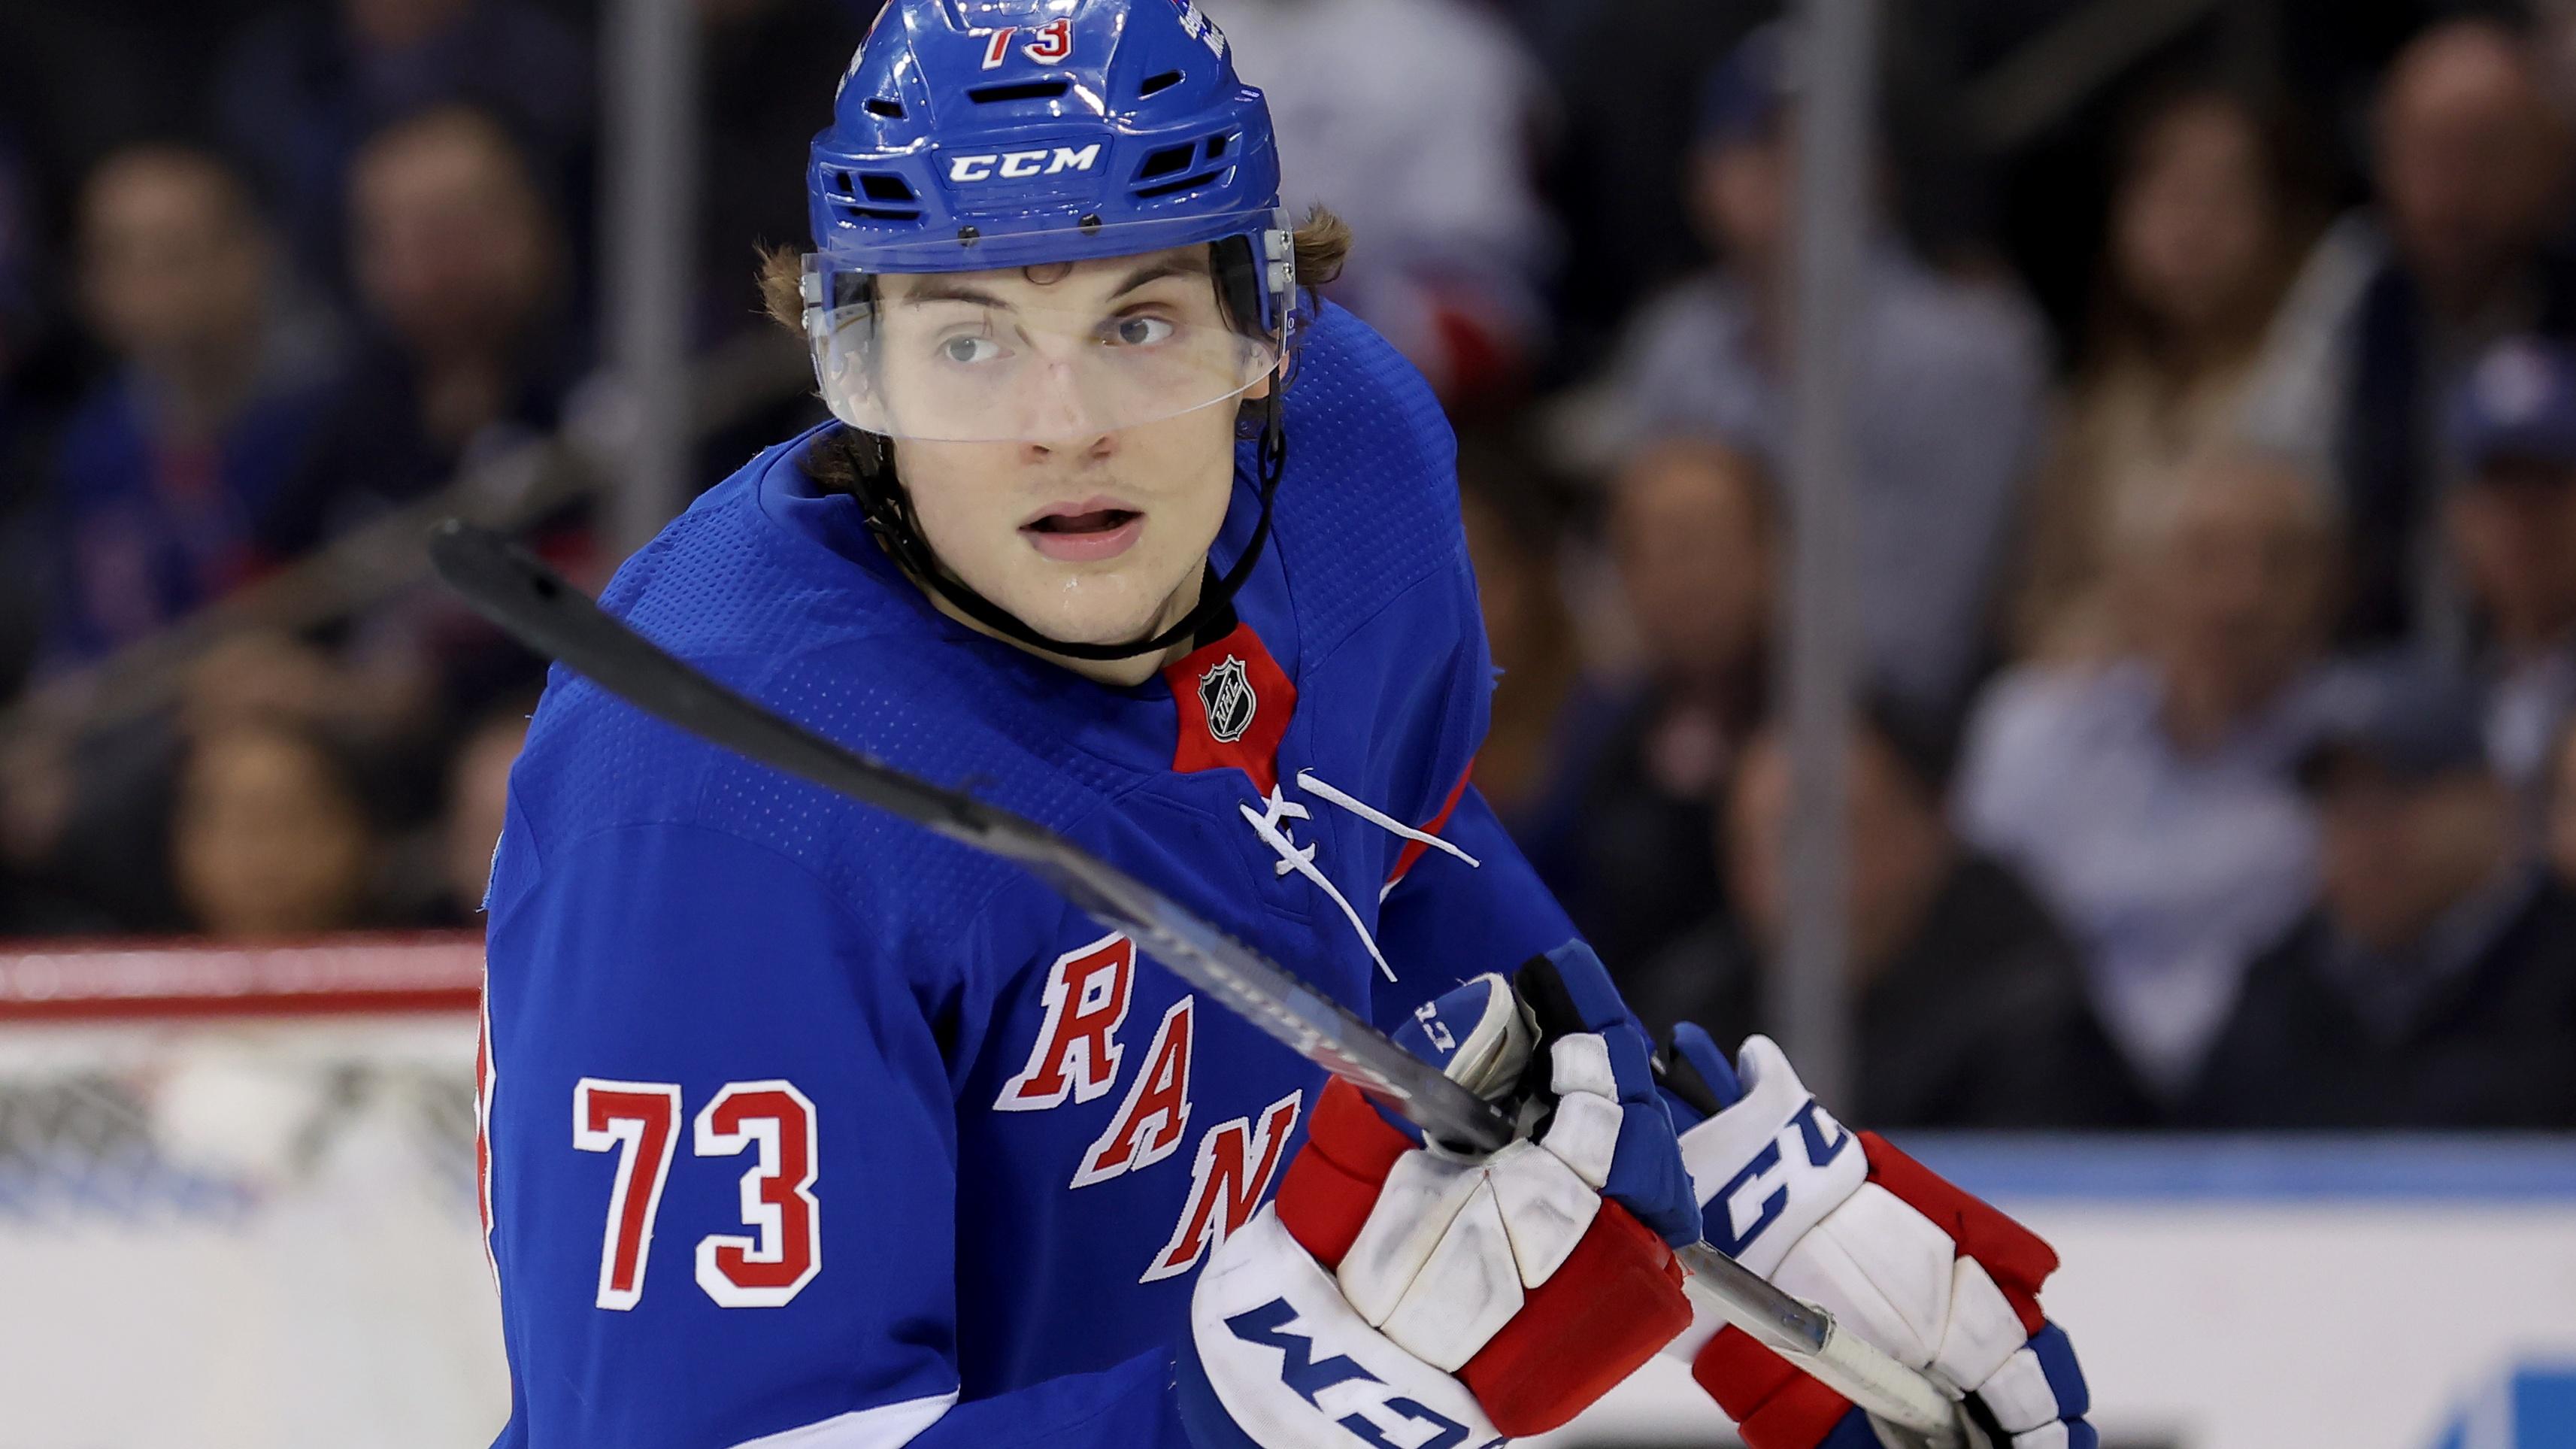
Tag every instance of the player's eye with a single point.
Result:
(1140, 331)
(966, 350)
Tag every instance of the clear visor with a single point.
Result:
(1054, 350)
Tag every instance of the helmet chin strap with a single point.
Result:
(887, 507)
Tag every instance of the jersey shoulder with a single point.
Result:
(1374, 554)
(1369, 505)
(767, 610)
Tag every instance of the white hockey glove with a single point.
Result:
(1936, 1278)
(1398, 1293)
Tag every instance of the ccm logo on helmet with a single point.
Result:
(1016, 165)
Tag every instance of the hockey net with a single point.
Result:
(238, 1197)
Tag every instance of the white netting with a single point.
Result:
(237, 1199)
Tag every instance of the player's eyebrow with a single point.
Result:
(1185, 265)
(950, 292)
(930, 287)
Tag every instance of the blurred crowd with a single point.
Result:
(2213, 448)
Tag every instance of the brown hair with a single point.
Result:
(1322, 244)
(2122, 330)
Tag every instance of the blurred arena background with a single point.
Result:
(2032, 546)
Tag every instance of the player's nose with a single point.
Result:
(1064, 422)
(1060, 407)
(1082, 447)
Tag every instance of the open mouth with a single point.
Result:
(1087, 532)
(1098, 520)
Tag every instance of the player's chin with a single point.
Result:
(1092, 606)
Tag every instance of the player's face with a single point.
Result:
(1096, 534)
(1051, 353)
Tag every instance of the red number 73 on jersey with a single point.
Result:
(639, 1122)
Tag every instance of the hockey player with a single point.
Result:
(805, 1128)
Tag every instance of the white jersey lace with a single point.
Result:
(1268, 823)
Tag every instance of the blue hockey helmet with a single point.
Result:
(1030, 136)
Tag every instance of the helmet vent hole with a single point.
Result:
(880, 106)
(1174, 188)
(1216, 145)
(1019, 91)
(882, 187)
(843, 178)
(1158, 83)
(1166, 162)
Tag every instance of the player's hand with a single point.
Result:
(1397, 1289)
(1939, 1280)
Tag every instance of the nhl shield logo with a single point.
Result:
(1225, 693)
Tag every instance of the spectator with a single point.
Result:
(2461, 251)
(1692, 529)
(1945, 393)
(1436, 177)
(1541, 703)
(2150, 801)
(83, 827)
(165, 467)
(2205, 233)
(470, 349)
(469, 352)
(270, 837)
(382, 699)
(1970, 1003)
(2435, 983)
(2512, 521)
(478, 794)
(302, 91)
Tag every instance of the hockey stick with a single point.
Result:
(535, 605)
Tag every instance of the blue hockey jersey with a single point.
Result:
(802, 1122)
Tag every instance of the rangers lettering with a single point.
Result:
(1235, 1165)
(1148, 1125)
(1076, 1052)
